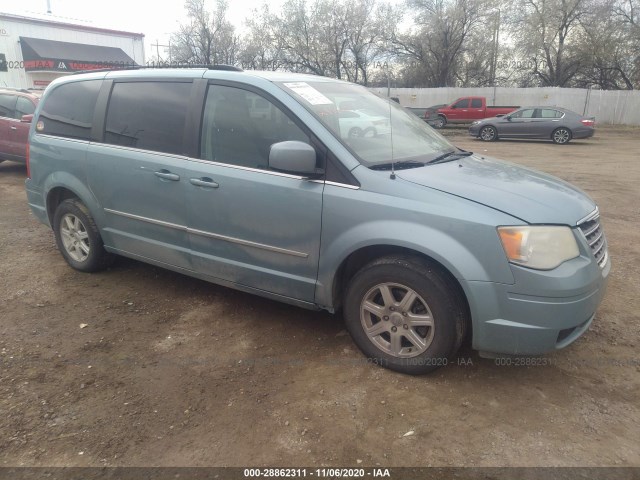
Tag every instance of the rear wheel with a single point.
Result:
(488, 134)
(561, 135)
(78, 237)
(404, 314)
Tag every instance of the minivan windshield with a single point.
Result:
(378, 131)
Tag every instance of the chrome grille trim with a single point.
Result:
(595, 240)
(591, 216)
(594, 235)
(595, 227)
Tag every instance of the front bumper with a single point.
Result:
(541, 312)
(474, 130)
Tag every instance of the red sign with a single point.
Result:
(41, 83)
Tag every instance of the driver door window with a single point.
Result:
(239, 127)
(528, 113)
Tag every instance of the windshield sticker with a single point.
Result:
(310, 94)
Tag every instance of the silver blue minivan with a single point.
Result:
(266, 182)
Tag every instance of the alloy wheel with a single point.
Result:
(397, 320)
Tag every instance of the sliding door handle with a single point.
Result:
(205, 182)
(167, 175)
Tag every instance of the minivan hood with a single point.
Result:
(527, 194)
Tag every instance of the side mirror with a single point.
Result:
(293, 157)
(27, 118)
(508, 117)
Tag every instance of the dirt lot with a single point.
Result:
(174, 371)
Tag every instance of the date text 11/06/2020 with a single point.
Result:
(316, 472)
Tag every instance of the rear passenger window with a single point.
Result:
(148, 115)
(239, 127)
(68, 110)
(476, 103)
(550, 113)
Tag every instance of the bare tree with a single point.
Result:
(546, 34)
(368, 27)
(608, 49)
(435, 47)
(262, 47)
(208, 37)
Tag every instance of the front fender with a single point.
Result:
(457, 258)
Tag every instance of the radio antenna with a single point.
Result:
(393, 162)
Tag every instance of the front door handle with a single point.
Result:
(167, 175)
(14, 128)
(205, 182)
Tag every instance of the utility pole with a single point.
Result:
(158, 45)
(496, 46)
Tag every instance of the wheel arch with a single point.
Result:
(63, 186)
(562, 127)
(357, 259)
(495, 127)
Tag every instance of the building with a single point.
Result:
(35, 51)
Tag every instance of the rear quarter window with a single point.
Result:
(68, 110)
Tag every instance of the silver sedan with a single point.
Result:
(552, 123)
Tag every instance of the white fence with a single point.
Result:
(617, 107)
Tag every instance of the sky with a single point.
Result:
(157, 20)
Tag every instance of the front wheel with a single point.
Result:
(404, 315)
(488, 134)
(560, 136)
(370, 132)
(78, 237)
(355, 132)
(439, 122)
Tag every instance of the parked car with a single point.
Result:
(421, 245)
(426, 114)
(551, 123)
(465, 110)
(16, 111)
(362, 123)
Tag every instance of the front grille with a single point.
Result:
(590, 228)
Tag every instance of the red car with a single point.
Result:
(465, 110)
(16, 111)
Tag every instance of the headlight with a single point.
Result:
(539, 247)
(475, 123)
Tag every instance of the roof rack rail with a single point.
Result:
(160, 65)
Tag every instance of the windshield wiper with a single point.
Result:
(449, 156)
(398, 165)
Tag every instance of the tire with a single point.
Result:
(488, 134)
(561, 135)
(78, 237)
(370, 132)
(355, 132)
(440, 122)
(374, 300)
